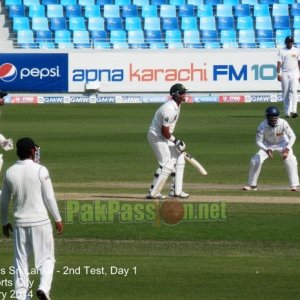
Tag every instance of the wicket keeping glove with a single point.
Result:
(180, 145)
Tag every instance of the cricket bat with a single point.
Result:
(195, 163)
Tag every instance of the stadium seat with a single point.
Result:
(280, 35)
(16, 10)
(46, 45)
(296, 35)
(36, 11)
(231, 2)
(173, 36)
(77, 23)
(149, 11)
(212, 45)
(242, 10)
(214, 2)
(159, 2)
(250, 2)
(101, 45)
(39, 23)
(65, 45)
(295, 9)
(246, 38)
(20, 23)
(244, 22)
(189, 23)
(59, 23)
(7, 3)
(177, 2)
(111, 11)
(191, 37)
(103, 2)
(281, 22)
(55, 10)
(30, 2)
(73, 11)
(225, 23)
(129, 11)
(224, 10)
(25, 37)
(205, 10)
(133, 23)
(81, 39)
(230, 45)
(280, 9)
(152, 36)
(264, 35)
(209, 35)
(261, 10)
(186, 10)
(170, 23)
(122, 2)
(114, 24)
(47, 2)
(98, 35)
(118, 36)
(228, 36)
(152, 23)
(140, 3)
(43, 36)
(207, 23)
(267, 45)
(290, 2)
(29, 46)
(136, 38)
(157, 45)
(167, 11)
(86, 2)
(62, 36)
(92, 11)
(68, 2)
(95, 23)
(195, 2)
(175, 45)
(296, 22)
(264, 22)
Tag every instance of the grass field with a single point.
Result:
(252, 253)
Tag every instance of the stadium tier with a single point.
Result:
(151, 23)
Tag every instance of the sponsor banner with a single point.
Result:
(23, 100)
(38, 72)
(128, 99)
(233, 71)
(51, 99)
(154, 99)
(205, 99)
(232, 99)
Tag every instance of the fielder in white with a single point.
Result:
(29, 185)
(274, 134)
(167, 148)
(288, 66)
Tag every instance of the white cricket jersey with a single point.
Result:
(289, 59)
(30, 187)
(167, 115)
(268, 136)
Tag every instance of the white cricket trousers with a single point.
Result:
(291, 166)
(39, 241)
(289, 85)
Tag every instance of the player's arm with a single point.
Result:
(49, 198)
(5, 199)
(260, 141)
(279, 70)
(169, 136)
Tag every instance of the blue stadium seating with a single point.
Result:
(242, 10)
(86, 2)
(99, 35)
(59, 23)
(195, 2)
(214, 2)
(36, 11)
(246, 38)
(103, 2)
(73, 11)
(264, 22)
(95, 24)
(177, 2)
(118, 36)
(55, 10)
(12, 2)
(46, 2)
(192, 37)
(231, 2)
(77, 23)
(212, 45)
(261, 10)
(280, 35)
(130, 10)
(228, 36)
(122, 2)
(170, 23)
(30, 2)
(136, 39)
(65, 45)
(295, 9)
(114, 24)
(209, 35)
(140, 2)
(68, 2)
(167, 11)
(224, 10)
(133, 23)
(153, 36)
(152, 23)
(20, 23)
(207, 23)
(25, 37)
(16, 10)
(81, 39)
(205, 10)
(189, 23)
(39, 23)
(225, 23)
(280, 9)
(62, 36)
(269, 2)
(296, 22)
(281, 22)
(149, 11)
(46, 45)
(43, 36)
(186, 10)
(264, 35)
(267, 45)
(244, 22)
(173, 36)
(92, 11)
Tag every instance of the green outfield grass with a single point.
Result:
(251, 254)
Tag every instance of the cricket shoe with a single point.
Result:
(159, 196)
(250, 188)
(42, 295)
(294, 115)
(182, 194)
(294, 188)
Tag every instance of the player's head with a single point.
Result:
(2, 94)
(26, 148)
(178, 92)
(272, 114)
(289, 41)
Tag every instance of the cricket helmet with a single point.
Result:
(178, 89)
(272, 113)
(289, 39)
(25, 146)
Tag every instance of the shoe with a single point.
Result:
(286, 116)
(182, 194)
(42, 295)
(294, 188)
(250, 188)
(159, 196)
(294, 115)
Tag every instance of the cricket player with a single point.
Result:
(274, 134)
(167, 148)
(29, 185)
(288, 66)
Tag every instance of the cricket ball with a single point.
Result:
(171, 212)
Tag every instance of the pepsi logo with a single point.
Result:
(8, 72)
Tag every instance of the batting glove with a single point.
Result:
(8, 145)
(180, 145)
